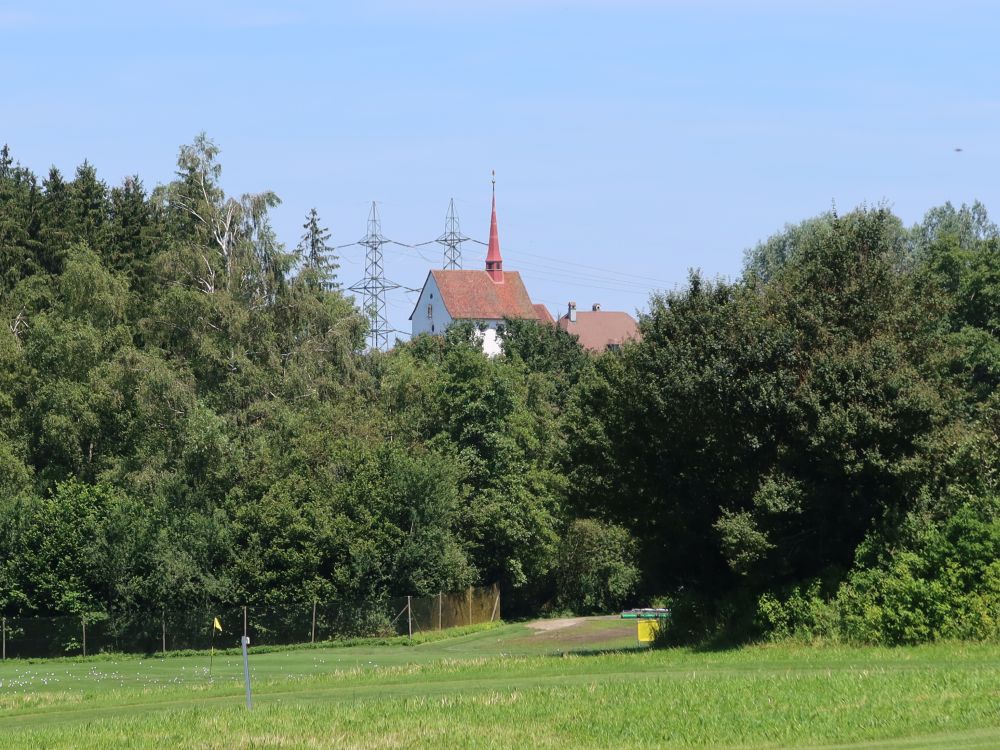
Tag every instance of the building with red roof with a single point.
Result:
(486, 297)
(492, 295)
(597, 329)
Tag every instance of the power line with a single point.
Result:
(587, 284)
(551, 272)
(562, 261)
(570, 273)
(424, 257)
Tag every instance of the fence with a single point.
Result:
(415, 614)
(163, 631)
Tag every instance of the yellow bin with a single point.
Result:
(646, 629)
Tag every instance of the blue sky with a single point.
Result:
(632, 139)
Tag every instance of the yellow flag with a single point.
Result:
(216, 624)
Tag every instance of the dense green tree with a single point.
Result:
(767, 258)
(81, 549)
(132, 232)
(57, 231)
(19, 199)
(500, 425)
(595, 571)
(224, 244)
(761, 430)
(88, 206)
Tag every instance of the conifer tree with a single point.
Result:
(317, 257)
(89, 205)
(56, 232)
(18, 221)
(126, 248)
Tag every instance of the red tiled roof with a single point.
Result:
(543, 313)
(473, 295)
(599, 329)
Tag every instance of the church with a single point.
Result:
(486, 297)
(492, 295)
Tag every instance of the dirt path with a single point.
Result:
(544, 626)
(578, 633)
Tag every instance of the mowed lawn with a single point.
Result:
(579, 685)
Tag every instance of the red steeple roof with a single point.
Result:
(494, 263)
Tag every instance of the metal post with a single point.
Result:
(83, 621)
(246, 671)
(313, 638)
(5, 639)
(163, 629)
(244, 622)
(409, 618)
(439, 609)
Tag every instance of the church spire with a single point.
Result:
(494, 263)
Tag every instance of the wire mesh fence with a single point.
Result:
(416, 614)
(166, 630)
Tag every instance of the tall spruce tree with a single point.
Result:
(89, 206)
(18, 221)
(319, 262)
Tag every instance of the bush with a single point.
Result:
(596, 569)
(944, 584)
(940, 581)
(804, 614)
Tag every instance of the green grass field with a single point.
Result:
(582, 685)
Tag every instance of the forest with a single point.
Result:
(189, 416)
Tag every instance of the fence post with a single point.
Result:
(409, 618)
(496, 605)
(470, 605)
(163, 629)
(312, 639)
(439, 610)
(244, 642)
(83, 621)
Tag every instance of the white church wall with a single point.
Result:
(489, 338)
(430, 315)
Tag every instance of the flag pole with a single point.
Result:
(216, 625)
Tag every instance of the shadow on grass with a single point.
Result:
(598, 651)
(718, 643)
(714, 645)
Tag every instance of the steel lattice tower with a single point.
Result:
(374, 284)
(452, 240)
